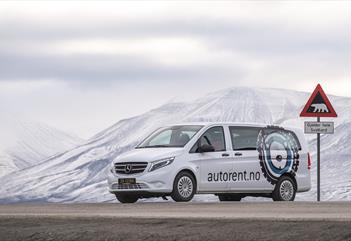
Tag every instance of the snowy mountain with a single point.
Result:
(78, 175)
(24, 143)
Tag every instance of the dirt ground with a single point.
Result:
(163, 221)
(102, 228)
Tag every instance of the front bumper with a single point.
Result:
(158, 181)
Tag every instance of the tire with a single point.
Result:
(184, 187)
(285, 189)
(122, 198)
(229, 197)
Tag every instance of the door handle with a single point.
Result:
(225, 154)
(238, 154)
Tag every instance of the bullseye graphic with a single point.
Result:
(278, 153)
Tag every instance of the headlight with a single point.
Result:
(161, 163)
(112, 167)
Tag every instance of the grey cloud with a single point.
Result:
(260, 33)
(36, 31)
(268, 38)
(265, 41)
(104, 68)
(89, 68)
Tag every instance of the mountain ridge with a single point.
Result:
(78, 175)
(24, 143)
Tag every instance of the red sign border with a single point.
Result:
(332, 113)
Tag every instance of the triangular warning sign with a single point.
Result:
(318, 105)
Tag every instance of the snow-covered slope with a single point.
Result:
(335, 164)
(25, 143)
(79, 174)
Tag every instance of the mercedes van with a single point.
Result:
(229, 160)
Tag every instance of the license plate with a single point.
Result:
(126, 181)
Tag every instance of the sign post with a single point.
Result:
(318, 105)
(318, 163)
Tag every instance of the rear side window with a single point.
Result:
(214, 137)
(279, 138)
(244, 138)
(294, 139)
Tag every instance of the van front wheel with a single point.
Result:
(285, 190)
(184, 187)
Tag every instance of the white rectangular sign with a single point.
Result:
(314, 127)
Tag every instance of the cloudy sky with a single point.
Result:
(82, 66)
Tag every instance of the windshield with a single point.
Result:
(173, 136)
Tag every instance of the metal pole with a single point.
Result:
(318, 164)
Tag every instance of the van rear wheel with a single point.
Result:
(124, 198)
(184, 187)
(229, 197)
(285, 190)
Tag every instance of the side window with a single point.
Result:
(214, 137)
(289, 136)
(293, 138)
(244, 138)
(278, 138)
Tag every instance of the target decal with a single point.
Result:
(278, 153)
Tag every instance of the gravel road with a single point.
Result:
(177, 221)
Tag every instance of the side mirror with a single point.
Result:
(206, 148)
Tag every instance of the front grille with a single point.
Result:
(130, 167)
(129, 186)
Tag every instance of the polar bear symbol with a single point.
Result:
(319, 107)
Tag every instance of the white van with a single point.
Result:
(229, 160)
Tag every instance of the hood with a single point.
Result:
(148, 154)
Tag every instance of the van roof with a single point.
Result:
(222, 123)
(297, 131)
(249, 124)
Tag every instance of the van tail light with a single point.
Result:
(309, 161)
